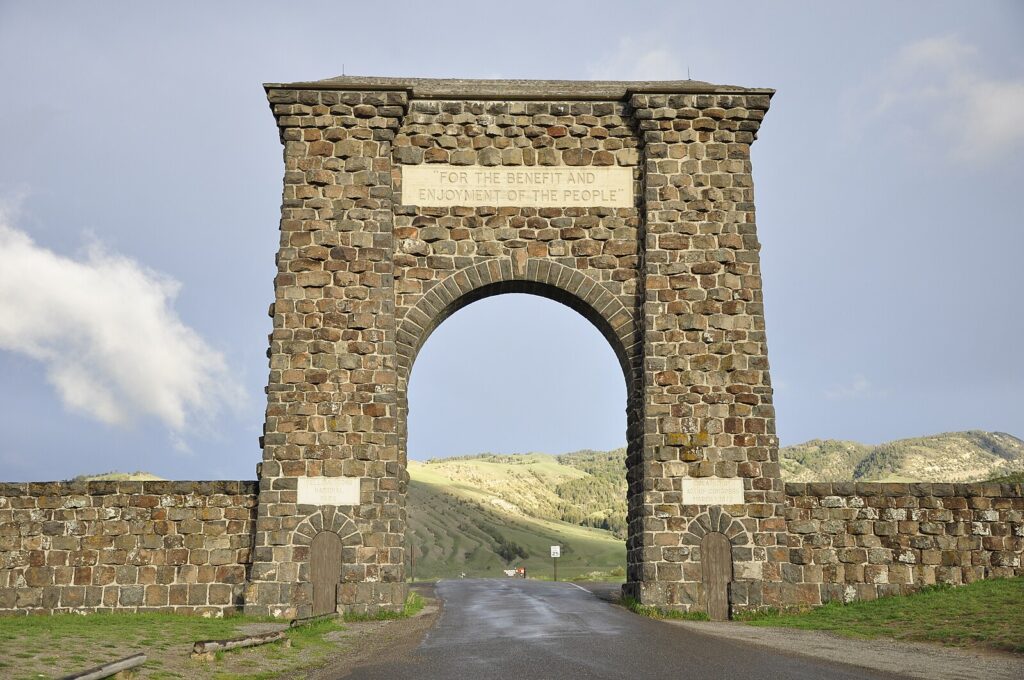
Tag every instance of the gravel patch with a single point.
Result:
(910, 659)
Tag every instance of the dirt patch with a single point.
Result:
(378, 642)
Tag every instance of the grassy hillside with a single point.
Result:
(950, 457)
(481, 514)
(822, 460)
(461, 520)
(120, 477)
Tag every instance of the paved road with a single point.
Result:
(525, 630)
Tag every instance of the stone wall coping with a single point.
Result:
(150, 487)
(460, 88)
(989, 489)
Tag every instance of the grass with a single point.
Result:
(110, 630)
(62, 643)
(986, 613)
(659, 613)
(52, 646)
(413, 604)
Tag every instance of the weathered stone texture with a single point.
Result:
(137, 546)
(707, 398)
(673, 283)
(331, 397)
(862, 541)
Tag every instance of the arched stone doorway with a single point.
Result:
(667, 269)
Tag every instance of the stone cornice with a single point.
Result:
(457, 88)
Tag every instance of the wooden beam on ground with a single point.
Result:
(295, 623)
(205, 649)
(109, 669)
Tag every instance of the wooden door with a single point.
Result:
(325, 571)
(716, 565)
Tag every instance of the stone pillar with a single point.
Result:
(331, 408)
(707, 394)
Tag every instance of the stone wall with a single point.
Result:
(132, 546)
(860, 541)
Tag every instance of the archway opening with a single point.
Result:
(517, 415)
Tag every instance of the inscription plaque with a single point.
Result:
(328, 491)
(712, 491)
(436, 185)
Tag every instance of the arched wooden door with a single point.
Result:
(325, 571)
(716, 565)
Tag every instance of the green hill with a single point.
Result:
(950, 457)
(482, 515)
(120, 477)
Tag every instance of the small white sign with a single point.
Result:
(556, 551)
(328, 491)
(712, 491)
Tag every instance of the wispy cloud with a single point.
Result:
(937, 88)
(635, 59)
(105, 328)
(857, 388)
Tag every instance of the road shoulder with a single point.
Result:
(379, 641)
(910, 659)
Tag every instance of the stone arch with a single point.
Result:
(327, 519)
(718, 520)
(555, 281)
(537, 276)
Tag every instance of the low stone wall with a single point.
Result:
(861, 541)
(187, 546)
(132, 546)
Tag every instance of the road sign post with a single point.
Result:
(556, 552)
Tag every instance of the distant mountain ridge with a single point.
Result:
(969, 456)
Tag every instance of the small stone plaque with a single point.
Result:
(328, 491)
(712, 491)
(436, 184)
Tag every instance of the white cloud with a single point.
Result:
(106, 331)
(935, 88)
(634, 59)
(859, 387)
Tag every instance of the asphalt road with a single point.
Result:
(526, 630)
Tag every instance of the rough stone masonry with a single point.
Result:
(405, 200)
(366, 271)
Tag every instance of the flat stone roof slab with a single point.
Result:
(459, 88)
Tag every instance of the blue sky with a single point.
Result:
(140, 183)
